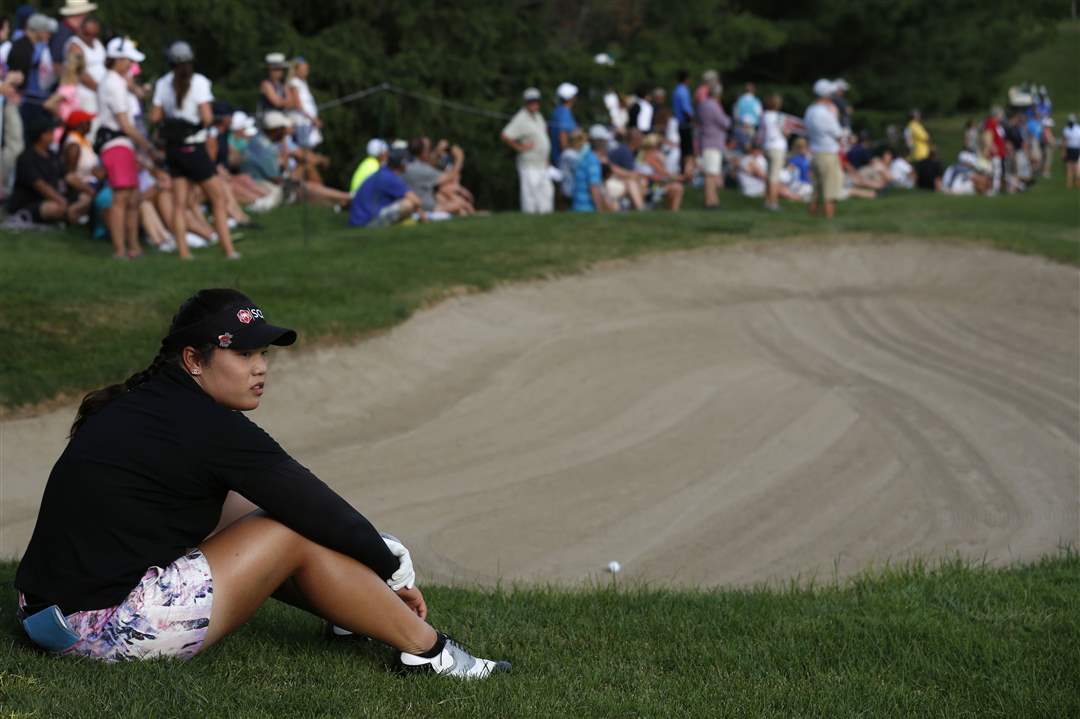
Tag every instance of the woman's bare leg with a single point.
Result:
(179, 216)
(251, 558)
(214, 189)
(118, 222)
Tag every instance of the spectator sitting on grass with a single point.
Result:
(753, 172)
(83, 174)
(798, 165)
(588, 174)
(377, 152)
(451, 191)
(424, 179)
(384, 199)
(901, 172)
(928, 172)
(662, 184)
(625, 182)
(39, 192)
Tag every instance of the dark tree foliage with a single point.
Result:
(941, 55)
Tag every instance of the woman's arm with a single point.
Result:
(272, 96)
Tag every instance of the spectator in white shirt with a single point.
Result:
(305, 115)
(118, 137)
(527, 134)
(181, 105)
(87, 43)
(775, 141)
(824, 132)
(1071, 135)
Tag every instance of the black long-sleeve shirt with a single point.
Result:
(144, 480)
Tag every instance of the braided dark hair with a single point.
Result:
(202, 304)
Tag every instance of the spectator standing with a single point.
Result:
(307, 127)
(562, 120)
(683, 108)
(641, 110)
(377, 152)
(916, 137)
(73, 13)
(824, 133)
(1071, 135)
(775, 146)
(181, 105)
(384, 199)
(708, 79)
(93, 52)
(527, 134)
(715, 124)
(5, 44)
(118, 137)
(588, 173)
(839, 98)
(12, 141)
(971, 136)
(31, 57)
(272, 92)
(747, 115)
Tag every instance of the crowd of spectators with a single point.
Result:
(83, 140)
(646, 150)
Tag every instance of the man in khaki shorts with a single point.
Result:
(823, 132)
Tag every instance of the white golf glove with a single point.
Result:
(404, 577)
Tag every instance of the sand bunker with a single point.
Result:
(703, 418)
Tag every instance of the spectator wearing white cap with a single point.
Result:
(527, 134)
(824, 132)
(272, 92)
(30, 56)
(377, 152)
(562, 120)
(117, 138)
(181, 107)
(588, 174)
(839, 98)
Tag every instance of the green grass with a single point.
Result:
(955, 641)
(73, 319)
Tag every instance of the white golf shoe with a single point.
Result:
(452, 661)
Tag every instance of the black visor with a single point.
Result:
(239, 326)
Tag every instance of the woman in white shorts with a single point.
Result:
(125, 561)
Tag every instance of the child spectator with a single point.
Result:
(83, 173)
(588, 174)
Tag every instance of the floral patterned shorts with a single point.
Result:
(166, 615)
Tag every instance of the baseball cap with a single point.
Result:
(242, 124)
(274, 119)
(239, 326)
(566, 91)
(531, 94)
(123, 47)
(179, 52)
(824, 88)
(397, 158)
(41, 23)
(78, 117)
(376, 147)
(599, 132)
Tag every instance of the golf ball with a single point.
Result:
(614, 567)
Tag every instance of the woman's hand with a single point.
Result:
(414, 600)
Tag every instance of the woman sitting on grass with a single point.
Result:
(120, 559)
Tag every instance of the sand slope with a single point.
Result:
(710, 417)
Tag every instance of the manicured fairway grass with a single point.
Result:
(958, 641)
(73, 319)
